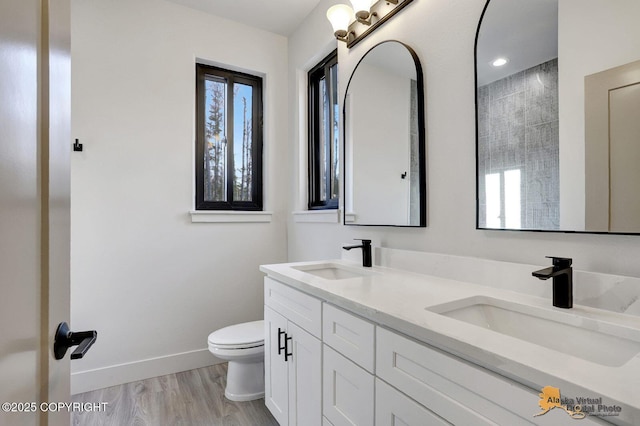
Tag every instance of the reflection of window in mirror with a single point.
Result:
(503, 200)
(324, 139)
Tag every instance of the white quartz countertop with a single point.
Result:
(400, 300)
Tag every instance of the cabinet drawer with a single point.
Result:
(452, 388)
(353, 337)
(347, 391)
(394, 408)
(300, 308)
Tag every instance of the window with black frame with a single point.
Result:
(324, 134)
(228, 140)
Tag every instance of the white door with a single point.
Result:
(34, 208)
(624, 154)
(305, 378)
(612, 149)
(276, 386)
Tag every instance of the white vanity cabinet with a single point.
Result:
(293, 360)
(347, 368)
(457, 391)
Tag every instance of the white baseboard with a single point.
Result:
(88, 380)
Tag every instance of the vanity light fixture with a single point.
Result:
(498, 62)
(353, 24)
(340, 15)
(362, 9)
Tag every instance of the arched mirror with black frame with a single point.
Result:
(384, 139)
(558, 135)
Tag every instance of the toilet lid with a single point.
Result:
(240, 334)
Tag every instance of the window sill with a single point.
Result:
(219, 216)
(317, 216)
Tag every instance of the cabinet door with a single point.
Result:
(276, 394)
(394, 409)
(353, 337)
(347, 391)
(305, 378)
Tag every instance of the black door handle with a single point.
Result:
(286, 348)
(280, 347)
(65, 339)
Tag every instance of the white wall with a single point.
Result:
(442, 33)
(152, 283)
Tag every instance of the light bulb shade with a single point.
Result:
(362, 5)
(340, 15)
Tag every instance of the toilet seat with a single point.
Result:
(240, 336)
(245, 346)
(242, 346)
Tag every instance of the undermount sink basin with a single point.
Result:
(564, 332)
(330, 271)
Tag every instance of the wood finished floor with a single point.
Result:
(190, 398)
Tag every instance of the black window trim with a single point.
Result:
(314, 196)
(202, 71)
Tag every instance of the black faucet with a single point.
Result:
(366, 251)
(562, 275)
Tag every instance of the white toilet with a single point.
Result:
(242, 345)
